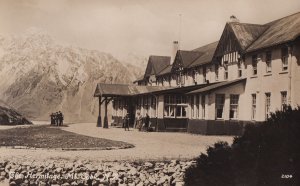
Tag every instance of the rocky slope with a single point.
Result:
(39, 76)
(9, 116)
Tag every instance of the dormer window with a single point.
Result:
(217, 71)
(254, 65)
(239, 68)
(284, 58)
(226, 70)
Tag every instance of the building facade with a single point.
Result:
(218, 88)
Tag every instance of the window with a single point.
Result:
(120, 110)
(268, 62)
(284, 58)
(181, 106)
(217, 71)
(234, 105)
(192, 107)
(153, 106)
(175, 106)
(146, 104)
(220, 100)
(204, 74)
(197, 106)
(203, 106)
(283, 100)
(169, 104)
(239, 68)
(268, 104)
(254, 65)
(253, 113)
(194, 77)
(226, 70)
(180, 78)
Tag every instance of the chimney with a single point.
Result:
(233, 19)
(174, 50)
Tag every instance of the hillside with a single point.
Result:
(39, 76)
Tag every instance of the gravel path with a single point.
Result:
(148, 146)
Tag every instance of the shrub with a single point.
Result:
(266, 154)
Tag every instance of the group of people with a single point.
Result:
(57, 118)
(141, 123)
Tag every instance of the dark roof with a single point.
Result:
(156, 64)
(141, 78)
(246, 33)
(217, 86)
(124, 89)
(279, 31)
(207, 54)
(166, 70)
(185, 89)
(188, 57)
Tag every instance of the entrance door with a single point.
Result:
(131, 112)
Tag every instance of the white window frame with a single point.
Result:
(226, 70)
(284, 58)
(217, 72)
(254, 65)
(172, 104)
(240, 71)
(220, 103)
(268, 62)
(234, 106)
(284, 101)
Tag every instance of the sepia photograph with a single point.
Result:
(149, 93)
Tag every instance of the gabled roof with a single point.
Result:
(207, 54)
(166, 70)
(156, 64)
(217, 86)
(246, 33)
(184, 58)
(125, 89)
(237, 37)
(279, 31)
(188, 57)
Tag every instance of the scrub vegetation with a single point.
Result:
(266, 154)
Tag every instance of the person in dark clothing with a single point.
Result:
(52, 118)
(147, 122)
(60, 118)
(126, 122)
(56, 119)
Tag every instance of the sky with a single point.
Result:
(139, 27)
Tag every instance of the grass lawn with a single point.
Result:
(53, 137)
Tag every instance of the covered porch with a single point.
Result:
(126, 99)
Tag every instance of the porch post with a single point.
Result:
(105, 125)
(99, 123)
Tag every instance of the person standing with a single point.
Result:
(138, 121)
(56, 119)
(147, 122)
(52, 119)
(60, 118)
(126, 122)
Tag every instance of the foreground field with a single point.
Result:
(147, 163)
(148, 146)
(53, 137)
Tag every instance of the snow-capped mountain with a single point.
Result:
(39, 76)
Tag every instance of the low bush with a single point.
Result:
(266, 154)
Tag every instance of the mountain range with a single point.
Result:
(38, 76)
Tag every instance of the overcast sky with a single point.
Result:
(141, 27)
